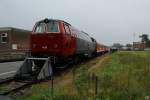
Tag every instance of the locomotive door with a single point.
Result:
(69, 41)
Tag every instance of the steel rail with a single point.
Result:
(7, 80)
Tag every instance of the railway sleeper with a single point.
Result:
(35, 69)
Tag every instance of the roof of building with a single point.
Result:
(11, 28)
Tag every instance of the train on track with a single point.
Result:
(61, 41)
(54, 43)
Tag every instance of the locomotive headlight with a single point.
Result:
(44, 47)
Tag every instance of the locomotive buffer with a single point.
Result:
(29, 70)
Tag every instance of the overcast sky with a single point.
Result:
(109, 21)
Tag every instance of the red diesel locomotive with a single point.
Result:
(60, 41)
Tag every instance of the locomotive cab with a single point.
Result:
(52, 38)
(46, 38)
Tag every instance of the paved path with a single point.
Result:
(8, 69)
(5, 98)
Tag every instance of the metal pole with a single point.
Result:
(52, 83)
(52, 87)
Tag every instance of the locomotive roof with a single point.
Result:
(53, 20)
(85, 33)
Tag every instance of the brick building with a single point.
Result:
(14, 39)
(138, 46)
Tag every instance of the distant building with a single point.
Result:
(14, 39)
(138, 46)
(126, 48)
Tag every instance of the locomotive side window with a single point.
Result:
(67, 29)
(52, 27)
(40, 28)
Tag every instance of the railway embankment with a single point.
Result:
(118, 76)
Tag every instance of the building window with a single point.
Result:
(4, 37)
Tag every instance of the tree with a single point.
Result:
(144, 38)
(129, 46)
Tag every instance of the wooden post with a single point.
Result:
(74, 72)
(96, 86)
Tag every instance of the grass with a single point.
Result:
(126, 76)
(121, 76)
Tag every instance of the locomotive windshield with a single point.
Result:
(50, 27)
(40, 28)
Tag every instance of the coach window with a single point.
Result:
(52, 27)
(93, 40)
(4, 37)
(67, 29)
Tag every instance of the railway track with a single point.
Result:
(3, 81)
(17, 88)
(13, 86)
